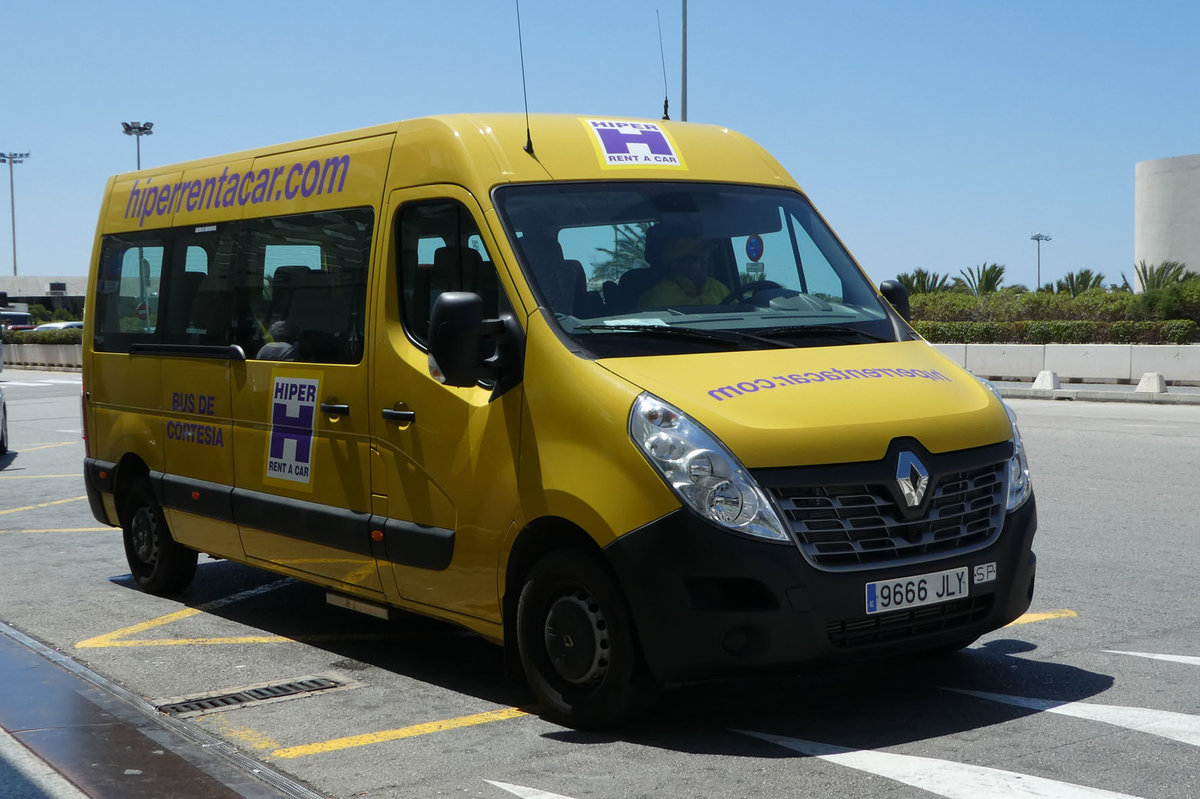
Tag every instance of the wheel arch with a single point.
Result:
(130, 471)
(535, 540)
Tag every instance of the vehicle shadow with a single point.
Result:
(866, 705)
(412, 646)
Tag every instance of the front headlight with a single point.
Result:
(1019, 485)
(701, 471)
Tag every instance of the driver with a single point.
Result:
(687, 281)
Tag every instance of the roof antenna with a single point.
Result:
(663, 55)
(524, 91)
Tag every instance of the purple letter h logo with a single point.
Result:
(616, 141)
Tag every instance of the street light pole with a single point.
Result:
(13, 158)
(138, 130)
(1039, 238)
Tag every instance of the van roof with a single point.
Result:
(489, 149)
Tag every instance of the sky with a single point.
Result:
(931, 134)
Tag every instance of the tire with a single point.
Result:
(577, 644)
(4, 431)
(158, 564)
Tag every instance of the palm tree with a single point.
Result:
(921, 282)
(982, 279)
(628, 252)
(1150, 276)
(1075, 283)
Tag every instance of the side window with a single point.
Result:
(439, 249)
(127, 296)
(300, 286)
(197, 288)
(820, 277)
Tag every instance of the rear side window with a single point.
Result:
(128, 294)
(296, 283)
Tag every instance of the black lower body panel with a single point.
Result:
(710, 604)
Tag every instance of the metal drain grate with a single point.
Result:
(243, 697)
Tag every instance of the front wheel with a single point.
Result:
(577, 644)
(159, 565)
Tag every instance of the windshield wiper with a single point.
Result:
(723, 336)
(829, 331)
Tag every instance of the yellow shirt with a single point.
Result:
(679, 290)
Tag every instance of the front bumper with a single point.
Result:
(710, 604)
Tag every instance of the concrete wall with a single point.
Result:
(1099, 363)
(1166, 225)
(48, 355)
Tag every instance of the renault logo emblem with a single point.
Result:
(912, 477)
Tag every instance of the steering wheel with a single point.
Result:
(747, 291)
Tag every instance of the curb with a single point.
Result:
(1085, 395)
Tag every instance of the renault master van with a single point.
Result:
(608, 392)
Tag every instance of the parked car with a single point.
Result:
(58, 325)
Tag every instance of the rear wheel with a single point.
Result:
(577, 644)
(159, 565)
(3, 431)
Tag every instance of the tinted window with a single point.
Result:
(296, 283)
(127, 295)
(440, 250)
(302, 280)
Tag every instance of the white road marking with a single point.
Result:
(1191, 661)
(238, 597)
(942, 777)
(526, 793)
(1181, 727)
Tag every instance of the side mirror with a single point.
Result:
(894, 292)
(457, 336)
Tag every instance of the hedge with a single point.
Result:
(1095, 305)
(69, 335)
(1172, 331)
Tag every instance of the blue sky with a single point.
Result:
(938, 135)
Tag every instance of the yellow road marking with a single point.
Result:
(42, 505)
(120, 638)
(1029, 618)
(254, 738)
(61, 530)
(394, 735)
(36, 447)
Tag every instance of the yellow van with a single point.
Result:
(608, 392)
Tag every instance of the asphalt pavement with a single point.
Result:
(51, 746)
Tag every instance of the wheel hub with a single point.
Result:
(577, 638)
(145, 542)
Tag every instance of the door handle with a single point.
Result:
(404, 417)
(334, 409)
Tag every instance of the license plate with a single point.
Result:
(921, 589)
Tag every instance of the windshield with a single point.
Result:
(633, 268)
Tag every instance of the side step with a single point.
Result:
(359, 605)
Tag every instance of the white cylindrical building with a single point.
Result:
(1166, 211)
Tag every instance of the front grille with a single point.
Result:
(904, 624)
(849, 526)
